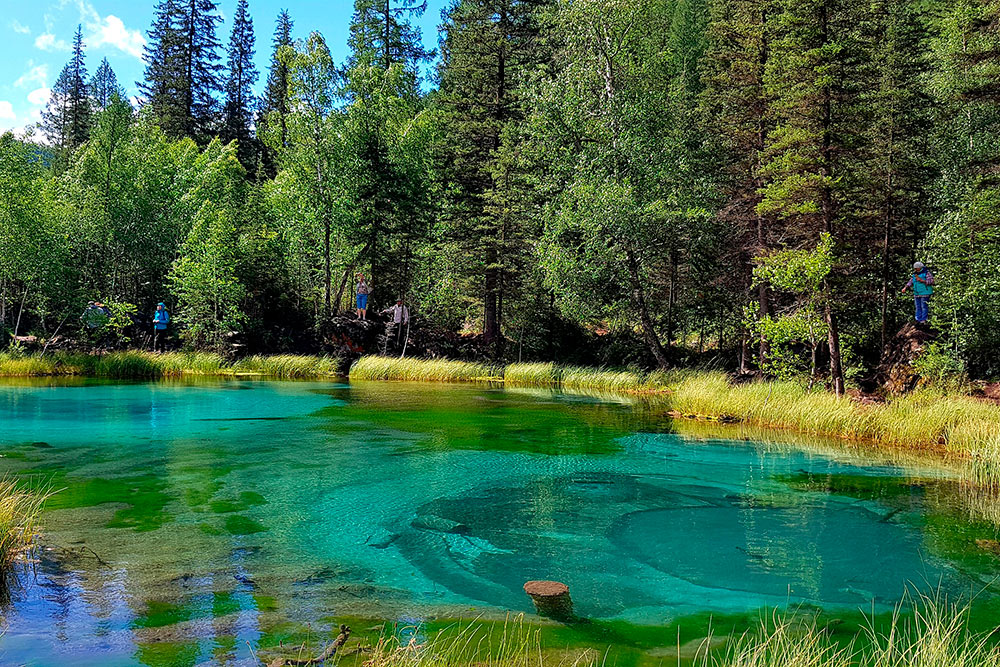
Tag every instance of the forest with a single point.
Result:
(743, 184)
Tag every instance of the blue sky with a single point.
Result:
(35, 36)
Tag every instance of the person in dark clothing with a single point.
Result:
(161, 318)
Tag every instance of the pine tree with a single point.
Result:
(274, 103)
(382, 33)
(242, 75)
(66, 119)
(104, 87)
(488, 48)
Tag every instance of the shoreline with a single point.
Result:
(950, 426)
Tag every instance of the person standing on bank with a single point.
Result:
(400, 316)
(922, 283)
(161, 318)
(362, 290)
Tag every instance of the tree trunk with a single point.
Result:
(886, 254)
(648, 330)
(833, 340)
(491, 320)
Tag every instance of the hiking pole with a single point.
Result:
(407, 340)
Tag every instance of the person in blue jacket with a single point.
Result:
(922, 283)
(161, 318)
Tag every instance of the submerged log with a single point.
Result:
(551, 599)
(328, 652)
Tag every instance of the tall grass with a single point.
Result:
(135, 364)
(19, 510)
(288, 366)
(425, 370)
(936, 635)
(513, 644)
(960, 424)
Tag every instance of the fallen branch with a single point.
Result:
(328, 652)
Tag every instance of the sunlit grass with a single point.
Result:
(139, 365)
(19, 510)
(423, 370)
(927, 632)
(288, 366)
(781, 641)
(540, 374)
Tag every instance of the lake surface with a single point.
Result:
(193, 521)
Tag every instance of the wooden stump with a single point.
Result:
(551, 599)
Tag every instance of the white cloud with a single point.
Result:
(112, 31)
(19, 27)
(48, 42)
(36, 74)
(6, 110)
(40, 96)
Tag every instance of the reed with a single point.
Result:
(936, 635)
(19, 510)
(782, 641)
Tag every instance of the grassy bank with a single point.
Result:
(19, 510)
(147, 365)
(930, 633)
(928, 420)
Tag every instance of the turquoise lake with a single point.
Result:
(194, 521)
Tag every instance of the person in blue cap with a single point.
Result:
(922, 284)
(161, 318)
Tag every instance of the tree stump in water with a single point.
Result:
(551, 599)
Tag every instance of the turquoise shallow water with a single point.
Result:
(193, 521)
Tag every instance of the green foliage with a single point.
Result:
(940, 367)
(803, 274)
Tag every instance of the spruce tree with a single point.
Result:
(164, 73)
(274, 103)
(813, 80)
(104, 87)
(897, 142)
(736, 105)
(382, 33)
(200, 59)
(242, 75)
(488, 49)
(182, 68)
(384, 181)
(66, 119)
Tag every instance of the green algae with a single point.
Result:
(168, 654)
(146, 496)
(237, 524)
(446, 420)
(161, 614)
(243, 502)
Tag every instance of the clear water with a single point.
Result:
(194, 521)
